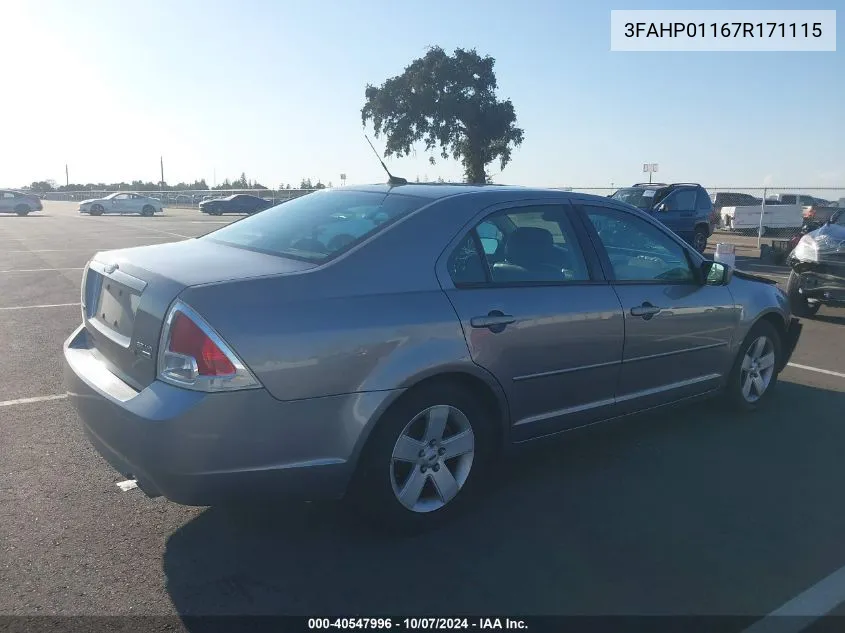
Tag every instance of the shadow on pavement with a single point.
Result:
(829, 318)
(696, 511)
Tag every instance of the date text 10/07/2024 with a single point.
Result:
(417, 624)
(724, 30)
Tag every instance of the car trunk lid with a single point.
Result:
(126, 294)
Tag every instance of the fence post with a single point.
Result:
(762, 211)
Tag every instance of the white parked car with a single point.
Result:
(121, 202)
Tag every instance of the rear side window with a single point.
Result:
(318, 226)
(465, 263)
(681, 200)
(704, 201)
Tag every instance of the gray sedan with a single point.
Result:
(395, 367)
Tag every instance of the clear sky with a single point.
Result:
(274, 88)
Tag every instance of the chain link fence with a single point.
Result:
(756, 217)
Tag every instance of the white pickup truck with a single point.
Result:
(775, 216)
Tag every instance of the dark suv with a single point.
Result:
(685, 208)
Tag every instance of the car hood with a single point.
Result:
(833, 231)
(91, 200)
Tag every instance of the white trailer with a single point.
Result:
(775, 216)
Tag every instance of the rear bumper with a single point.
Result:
(206, 449)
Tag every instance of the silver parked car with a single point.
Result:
(122, 202)
(269, 358)
(18, 202)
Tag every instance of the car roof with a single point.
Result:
(435, 191)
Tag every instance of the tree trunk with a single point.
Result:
(474, 168)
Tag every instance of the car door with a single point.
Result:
(537, 314)
(677, 211)
(135, 202)
(678, 329)
(119, 204)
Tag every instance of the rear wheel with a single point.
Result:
(798, 303)
(699, 240)
(755, 371)
(148, 210)
(22, 209)
(96, 209)
(425, 459)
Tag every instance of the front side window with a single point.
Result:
(638, 250)
(317, 226)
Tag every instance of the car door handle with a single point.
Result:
(495, 321)
(646, 310)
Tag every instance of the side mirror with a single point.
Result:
(715, 273)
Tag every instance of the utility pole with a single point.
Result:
(161, 160)
(67, 178)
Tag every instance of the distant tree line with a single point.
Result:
(45, 186)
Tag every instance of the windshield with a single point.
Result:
(637, 196)
(318, 226)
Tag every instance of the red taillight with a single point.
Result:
(187, 338)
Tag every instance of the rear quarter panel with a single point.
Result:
(374, 319)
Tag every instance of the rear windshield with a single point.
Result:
(317, 226)
(639, 197)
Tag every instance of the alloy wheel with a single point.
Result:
(432, 458)
(758, 367)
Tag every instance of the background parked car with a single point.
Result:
(729, 199)
(818, 268)
(18, 202)
(685, 208)
(238, 203)
(123, 202)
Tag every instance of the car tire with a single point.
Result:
(435, 486)
(797, 302)
(22, 210)
(756, 368)
(148, 211)
(95, 209)
(699, 239)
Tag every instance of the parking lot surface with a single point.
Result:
(694, 511)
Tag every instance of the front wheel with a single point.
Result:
(797, 302)
(756, 368)
(148, 210)
(96, 210)
(425, 459)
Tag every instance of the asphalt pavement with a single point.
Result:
(695, 511)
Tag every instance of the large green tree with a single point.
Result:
(446, 101)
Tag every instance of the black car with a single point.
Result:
(238, 203)
(683, 207)
(818, 268)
